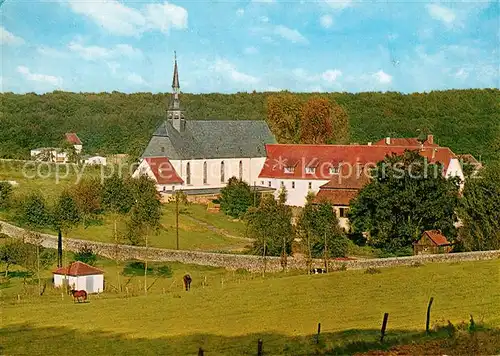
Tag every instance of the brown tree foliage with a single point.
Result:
(283, 116)
(323, 121)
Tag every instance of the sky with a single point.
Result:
(263, 45)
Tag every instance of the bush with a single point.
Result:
(5, 193)
(86, 255)
(236, 197)
(136, 268)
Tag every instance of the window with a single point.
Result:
(204, 172)
(173, 188)
(310, 185)
(162, 149)
(164, 188)
(343, 212)
(261, 182)
(241, 170)
(293, 185)
(289, 169)
(282, 184)
(310, 170)
(222, 174)
(269, 184)
(334, 170)
(188, 173)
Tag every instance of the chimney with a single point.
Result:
(434, 153)
(430, 139)
(387, 140)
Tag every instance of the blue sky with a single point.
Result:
(230, 46)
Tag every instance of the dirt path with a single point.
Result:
(215, 229)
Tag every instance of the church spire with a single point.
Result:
(174, 111)
(175, 79)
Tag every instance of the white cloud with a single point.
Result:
(113, 66)
(441, 13)
(51, 52)
(264, 19)
(92, 53)
(240, 12)
(166, 16)
(41, 78)
(462, 73)
(290, 34)
(326, 21)
(226, 68)
(8, 38)
(382, 77)
(267, 39)
(331, 75)
(120, 19)
(251, 50)
(136, 79)
(264, 1)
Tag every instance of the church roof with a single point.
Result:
(205, 139)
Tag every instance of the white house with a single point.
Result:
(80, 276)
(199, 156)
(308, 168)
(95, 160)
(57, 155)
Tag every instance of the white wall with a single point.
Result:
(295, 196)
(80, 282)
(96, 160)
(455, 170)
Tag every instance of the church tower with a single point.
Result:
(174, 112)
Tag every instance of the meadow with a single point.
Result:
(226, 312)
(198, 229)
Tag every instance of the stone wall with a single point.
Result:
(247, 262)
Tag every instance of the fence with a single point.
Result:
(248, 262)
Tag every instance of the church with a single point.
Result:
(199, 156)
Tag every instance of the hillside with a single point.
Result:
(468, 121)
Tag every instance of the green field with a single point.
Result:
(198, 229)
(228, 318)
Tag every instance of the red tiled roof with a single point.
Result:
(163, 170)
(78, 269)
(356, 180)
(326, 156)
(336, 196)
(72, 138)
(437, 237)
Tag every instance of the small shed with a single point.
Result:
(95, 160)
(431, 242)
(80, 276)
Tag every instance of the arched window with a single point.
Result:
(204, 172)
(222, 173)
(188, 173)
(241, 170)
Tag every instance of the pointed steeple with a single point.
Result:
(175, 79)
(174, 111)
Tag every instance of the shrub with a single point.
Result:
(136, 268)
(86, 255)
(372, 270)
(5, 193)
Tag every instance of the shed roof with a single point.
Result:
(436, 237)
(78, 268)
(71, 137)
(205, 139)
(163, 170)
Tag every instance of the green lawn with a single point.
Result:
(228, 318)
(222, 233)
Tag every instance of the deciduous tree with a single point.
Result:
(283, 115)
(236, 197)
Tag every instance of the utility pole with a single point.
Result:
(326, 262)
(177, 217)
(254, 195)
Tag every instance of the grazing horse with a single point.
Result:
(77, 294)
(187, 281)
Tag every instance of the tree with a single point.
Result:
(65, 216)
(271, 226)
(479, 211)
(5, 193)
(87, 196)
(406, 196)
(86, 255)
(10, 253)
(34, 212)
(283, 115)
(236, 197)
(316, 121)
(319, 224)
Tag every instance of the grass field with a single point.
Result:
(228, 318)
(198, 229)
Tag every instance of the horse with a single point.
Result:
(187, 281)
(77, 294)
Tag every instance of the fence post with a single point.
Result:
(200, 352)
(384, 326)
(427, 323)
(259, 347)
(319, 331)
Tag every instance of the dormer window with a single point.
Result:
(333, 170)
(310, 170)
(289, 169)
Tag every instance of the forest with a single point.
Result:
(467, 121)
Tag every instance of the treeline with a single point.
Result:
(468, 121)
